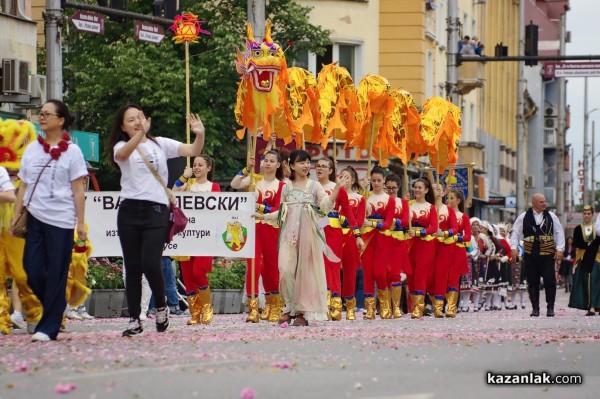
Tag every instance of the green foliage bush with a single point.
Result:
(228, 273)
(105, 273)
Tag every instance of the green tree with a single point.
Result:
(103, 72)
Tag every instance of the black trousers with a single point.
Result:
(46, 260)
(541, 266)
(143, 228)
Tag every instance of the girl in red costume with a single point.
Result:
(268, 194)
(424, 223)
(334, 235)
(352, 243)
(399, 265)
(376, 256)
(458, 264)
(195, 269)
(444, 250)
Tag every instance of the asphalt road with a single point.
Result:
(403, 358)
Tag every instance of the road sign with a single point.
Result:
(149, 32)
(571, 69)
(88, 142)
(88, 22)
(496, 200)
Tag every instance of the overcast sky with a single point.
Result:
(584, 25)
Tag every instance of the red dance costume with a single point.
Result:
(265, 261)
(335, 236)
(399, 251)
(459, 265)
(422, 247)
(376, 256)
(350, 254)
(194, 271)
(445, 249)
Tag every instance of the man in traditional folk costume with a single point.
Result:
(544, 243)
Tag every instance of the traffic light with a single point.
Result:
(531, 42)
(500, 50)
(170, 9)
(116, 4)
(165, 8)
(157, 8)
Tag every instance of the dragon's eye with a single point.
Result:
(257, 53)
(273, 53)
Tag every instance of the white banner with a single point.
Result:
(219, 224)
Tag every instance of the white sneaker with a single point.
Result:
(143, 317)
(17, 320)
(40, 337)
(84, 314)
(73, 315)
(31, 327)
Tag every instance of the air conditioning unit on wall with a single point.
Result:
(15, 76)
(550, 123)
(550, 111)
(38, 87)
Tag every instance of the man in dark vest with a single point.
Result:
(544, 244)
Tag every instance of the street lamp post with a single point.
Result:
(593, 191)
(586, 152)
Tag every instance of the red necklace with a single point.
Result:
(63, 145)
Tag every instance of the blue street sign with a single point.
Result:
(88, 142)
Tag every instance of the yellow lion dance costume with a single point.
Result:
(14, 137)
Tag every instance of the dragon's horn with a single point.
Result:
(268, 38)
(249, 33)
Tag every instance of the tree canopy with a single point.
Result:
(104, 72)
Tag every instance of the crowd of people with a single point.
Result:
(470, 46)
(419, 252)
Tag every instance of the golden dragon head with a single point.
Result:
(261, 62)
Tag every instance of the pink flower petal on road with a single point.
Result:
(64, 388)
(21, 368)
(247, 393)
(281, 365)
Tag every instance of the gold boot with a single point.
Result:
(329, 305)
(452, 298)
(384, 304)
(418, 306)
(396, 294)
(207, 309)
(195, 306)
(276, 308)
(370, 306)
(5, 322)
(266, 311)
(350, 305)
(253, 316)
(336, 308)
(438, 307)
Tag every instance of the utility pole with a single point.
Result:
(52, 23)
(452, 53)
(521, 192)
(586, 116)
(256, 16)
(560, 156)
(593, 152)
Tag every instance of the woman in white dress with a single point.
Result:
(302, 280)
